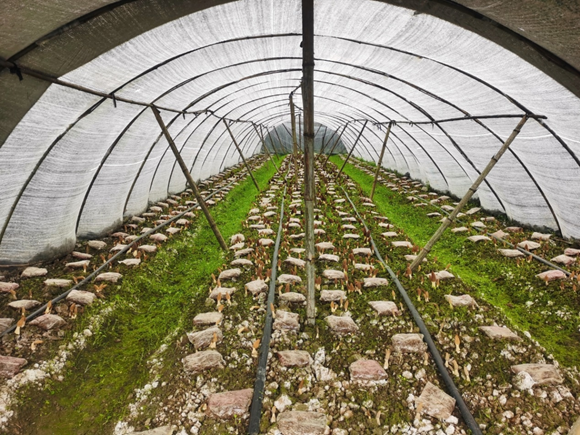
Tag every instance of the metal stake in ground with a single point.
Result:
(189, 179)
(241, 155)
(265, 147)
(352, 149)
(448, 220)
(293, 124)
(334, 145)
(309, 187)
(381, 159)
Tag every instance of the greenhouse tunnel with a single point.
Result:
(82, 152)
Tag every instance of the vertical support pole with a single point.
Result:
(335, 144)
(352, 149)
(241, 155)
(467, 195)
(293, 123)
(265, 147)
(279, 139)
(309, 186)
(381, 159)
(189, 179)
(316, 134)
(300, 137)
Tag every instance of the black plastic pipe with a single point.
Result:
(257, 398)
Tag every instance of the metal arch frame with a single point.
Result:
(183, 83)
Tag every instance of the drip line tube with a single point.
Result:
(258, 396)
(452, 388)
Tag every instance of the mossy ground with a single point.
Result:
(500, 281)
(152, 302)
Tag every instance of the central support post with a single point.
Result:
(449, 220)
(189, 179)
(309, 186)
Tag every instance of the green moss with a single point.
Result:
(497, 280)
(152, 303)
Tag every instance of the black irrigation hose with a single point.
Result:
(256, 406)
(121, 252)
(451, 387)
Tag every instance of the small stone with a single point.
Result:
(237, 246)
(81, 297)
(514, 229)
(499, 333)
(572, 252)
(294, 358)
(131, 262)
(387, 226)
(363, 266)
(230, 404)
(295, 262)
(211, 318)
(55, 282)
(385, 308)
(479, 238)
(375, 282)
(257, 286)
(242, 262)
(48, 322)
(302, 423)
(243, 252)
(97, 244)
(223, 291)
(265, 232)
(341, 324)
(286, 321)
(266, 242)
(10, 366)
(472, 211)
(351, 236)
(499, 234)
(542, 374)
(31, 272)
(203, 339)
(402, 244)
(367, 370)
(292, 297)
(282, 403)
(435, 402)
(389, 234)
(333, 274)
(109, 277)
(332, 295)
(117, 248)
(461, 301)
(411, 258)
(329, 257)
(286, 278)
(81, 255)
(551, 275)
(236, 238)
(363, 251)
(297, 250)
(409, 343)
(171, 231)
(27, 304)
(563, 259)
(540, 236)
(511, 253)
(147, 248)
(158, 237)
(230, 274)
(322, 246)
(7, 287)
(348, 227)
(528, 245)
(202, 361)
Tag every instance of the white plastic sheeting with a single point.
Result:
(75, 165)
